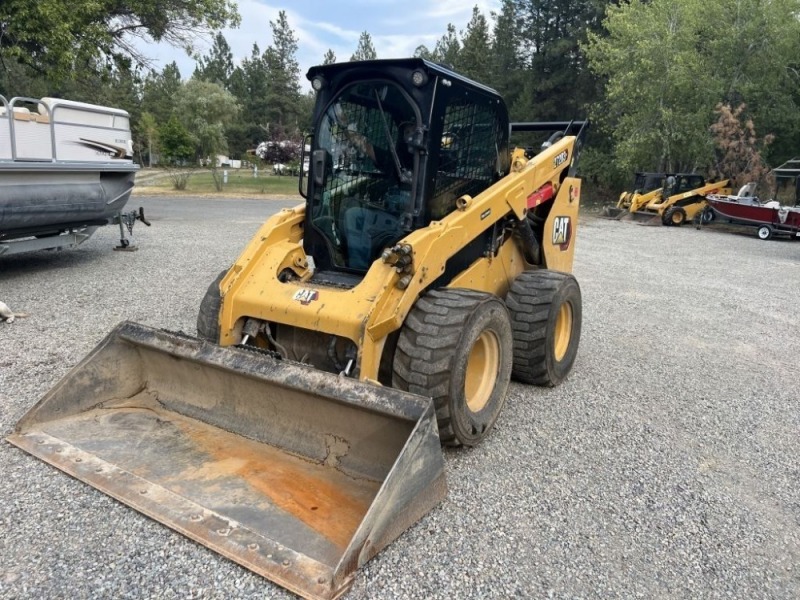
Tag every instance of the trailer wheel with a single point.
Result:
(546, 314)
(674, 216)
(208, 315)
(764, 232)
(707, 215)
(456, 347)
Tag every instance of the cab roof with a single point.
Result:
(394, 66)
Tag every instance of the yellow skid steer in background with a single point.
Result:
(680, 197)
(646, 186)
(300, 433)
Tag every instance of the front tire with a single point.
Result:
(208, 315)
(456, 347)
(674, 216)
(546, 315)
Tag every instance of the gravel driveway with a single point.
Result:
(666, 466)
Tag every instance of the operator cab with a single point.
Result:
(679, 183)
(395, 143)
(647, 182)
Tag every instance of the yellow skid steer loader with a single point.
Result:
(681, 197)
(646, 186)
(301, 432)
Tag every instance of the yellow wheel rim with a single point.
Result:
(677, 218)
(483, 365)
(563, 331)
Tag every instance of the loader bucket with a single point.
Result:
(643, 217)
(298, 475)
(612, 212)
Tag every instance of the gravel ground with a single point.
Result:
(665, 466)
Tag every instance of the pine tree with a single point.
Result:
(249, 83)
(422, 51)
(365, 50)
(448, 48)
(283, 74)
(217, 66)
(159, 90)
(506, 61)
(329, 57)
(475, 56)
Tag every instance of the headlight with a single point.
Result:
(318, 83)
(419, 78)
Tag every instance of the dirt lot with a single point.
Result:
(665, 466)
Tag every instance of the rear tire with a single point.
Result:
(546, 315)
(456, 347)
(674, 216)
(208, 315)
(764, 232)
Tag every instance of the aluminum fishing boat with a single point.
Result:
(769, 218)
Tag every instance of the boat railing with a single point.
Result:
(36, 129)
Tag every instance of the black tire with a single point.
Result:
(707, 215)
(764, 232)
(456, 347)
(546, 315)
(674, 216)
(208, 315)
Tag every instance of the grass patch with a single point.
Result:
(240, 182)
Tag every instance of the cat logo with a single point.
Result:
(305, 297)
(562, 232)
(561, 158)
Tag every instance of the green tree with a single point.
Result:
(557, 83)
(55, 37)
(249, 83)
(505, 56)
(283, 74)
(753, 57)
(448, 47)
(365, 49)
(118, 86)
(475, 56)
(305, 112)
(668, 63)
(205, 108)
(177, 149)
(217, 66)
(159, 90)
(329, 58)
(422, 51)
(176, 143)
(149, 129)
(654, 108)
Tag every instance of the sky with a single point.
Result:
(397, 27)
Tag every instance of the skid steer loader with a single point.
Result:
(301, 432)
(645, 187)
(681, 197)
